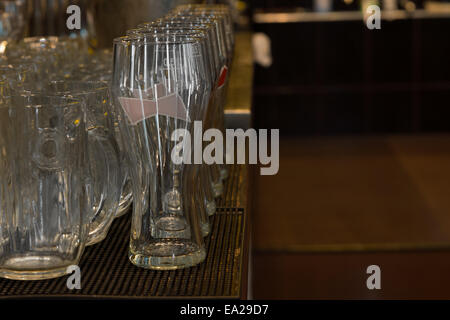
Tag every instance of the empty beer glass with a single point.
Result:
(43, 194)
(126, 197)
(217, 24)
(206, 202)
(103, 152)
(217, 55)
(211, 177)
(216, 10)
(161, 86)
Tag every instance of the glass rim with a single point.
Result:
(52, 39)
(176, 26)
(193, 5)
(139, 32)
(126, 38)
(147, 38)
(180, 22)
(202, 6)
(74, 92)
(207, 15)
(210, 19)
(61, 100)
(200, 11)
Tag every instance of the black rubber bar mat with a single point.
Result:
(107, 273)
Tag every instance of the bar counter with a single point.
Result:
(105, 270)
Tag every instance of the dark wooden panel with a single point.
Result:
(291, 114)
(390, 112)
(404, 275)
(392, 51)
(293, 51)
(354, 193)
(391, 80)
(341, 113)
(435, 111)
(435, 50)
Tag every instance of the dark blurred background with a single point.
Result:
(339, 77)
(364, 175)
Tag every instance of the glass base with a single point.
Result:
(97, 238)
(124, 205)
(171, 226)
(99, 235)
(13, 268)
(165, 254)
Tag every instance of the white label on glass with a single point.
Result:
(145, 105)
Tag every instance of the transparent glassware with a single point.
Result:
(219, 59)
(211, 177)
(103, 151)
(217, 24)
(36, 64)
(12, 21)
(187, 26)
(55, 57)
(210, 180)
(95, 66)
(43, 194)
(126, 197)
(216, 10)
(228, 20)
(170, 73)
(59, 58)
(215, 18)
(17, 75)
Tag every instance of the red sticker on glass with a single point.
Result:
(222, 77)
